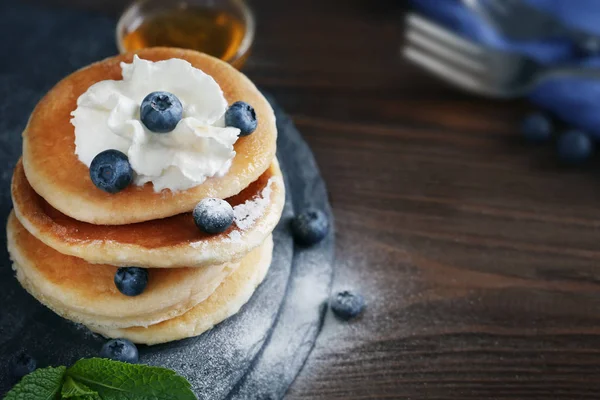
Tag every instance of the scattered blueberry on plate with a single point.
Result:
(160, 112)
(120, 350)
(589, 47)
(131, 281)
(241, 115)
(22, 365)
(347, 305)
(574, 147)
(537, 128)
(213, 216)
(110, 171)
(310, 227)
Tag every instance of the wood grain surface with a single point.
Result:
(478, 255)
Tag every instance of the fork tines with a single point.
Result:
(445, 54)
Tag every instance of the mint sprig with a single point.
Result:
(101, 379)
(43, 384)
(116, 380)
(76, 390)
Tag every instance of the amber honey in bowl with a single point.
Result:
(224, 32)
(210, 31)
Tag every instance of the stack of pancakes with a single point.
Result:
(67, 238)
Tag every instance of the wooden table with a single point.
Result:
(478, 255)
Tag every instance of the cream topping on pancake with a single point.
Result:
(108, 117)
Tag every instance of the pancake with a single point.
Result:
(226, 301)
(56, 173)
(86, 293)
(167, 243)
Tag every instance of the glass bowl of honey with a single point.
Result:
(221, 28)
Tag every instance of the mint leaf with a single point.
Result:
(43, 384)
(86, 397)
(115, 380)
(75, 389)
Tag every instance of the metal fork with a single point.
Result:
(518, 20)
(476, 68)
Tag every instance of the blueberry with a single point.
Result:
(23, 365)
(241, 115)
(131, 281)
(110, 171)
(213, 215)
(574, 147)
(310, 227)
(537, 128)
(161, 112)
(120, 350)
(347, 305)
(590, 46)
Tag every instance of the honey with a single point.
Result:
(214, 32)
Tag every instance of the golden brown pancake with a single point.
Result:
(56, 173)
(225, 301)
(86, 293)
(166, 243)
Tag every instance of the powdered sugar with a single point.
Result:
(217, 360)
(296, 328)
(234, 237)
(85, 330)
(245, 216)
(198, 245)
(247, 213)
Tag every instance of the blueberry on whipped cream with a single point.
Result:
(110, 171)
(213, 216)
(160, 112)
(241, 115)
(131, 281)
(184, 101)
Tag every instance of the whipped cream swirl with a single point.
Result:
(108, 117)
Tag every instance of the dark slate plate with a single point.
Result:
(305, 302)
(255, 354)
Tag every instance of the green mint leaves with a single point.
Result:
(76, 390)
(115, 380)
(101, 379)
(43, 384)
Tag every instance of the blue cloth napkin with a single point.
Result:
(573, 100)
